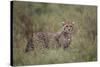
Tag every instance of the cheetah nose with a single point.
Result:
(68, 29)
(68, 39)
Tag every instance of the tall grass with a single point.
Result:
(46, 17)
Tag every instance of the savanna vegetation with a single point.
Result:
(30, 17)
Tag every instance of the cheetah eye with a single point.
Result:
(70, 25)
(66, 25)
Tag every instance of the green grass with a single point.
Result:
(77, 52)
(48, 18)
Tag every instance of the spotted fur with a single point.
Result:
(62, 38)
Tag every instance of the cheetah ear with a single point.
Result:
(63, 23)
(73, 22)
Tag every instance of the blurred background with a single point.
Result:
(29, 17)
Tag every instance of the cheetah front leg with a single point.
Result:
(66, 43)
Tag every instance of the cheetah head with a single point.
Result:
(68, 26)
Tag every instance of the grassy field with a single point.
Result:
(43, 17)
